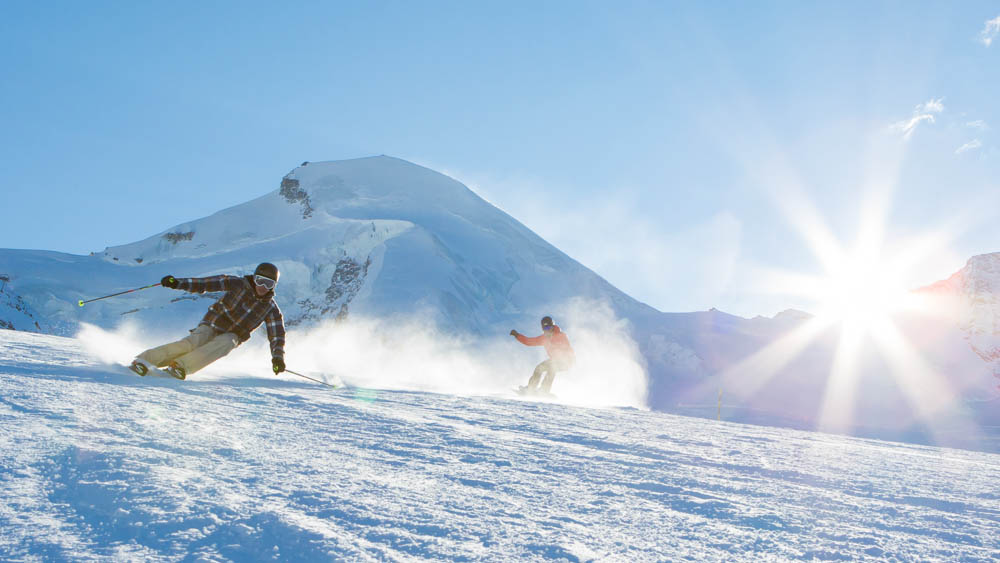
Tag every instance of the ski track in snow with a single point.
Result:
(96, 464)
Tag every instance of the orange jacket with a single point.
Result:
(556, 344)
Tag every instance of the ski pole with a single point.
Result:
(310, 378)
(81, 302)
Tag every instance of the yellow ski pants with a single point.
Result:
(203, 346)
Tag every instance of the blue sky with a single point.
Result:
(675, 148)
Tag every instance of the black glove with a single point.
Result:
(513, 332)
(278, 365)
(170, 281)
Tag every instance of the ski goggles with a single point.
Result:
(266, 283)
(547, 327)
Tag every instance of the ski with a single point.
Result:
(144, 369)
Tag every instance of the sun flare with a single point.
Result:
(862, 293)
(862, 296)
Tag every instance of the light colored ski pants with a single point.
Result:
(549, 368)
(203, 346)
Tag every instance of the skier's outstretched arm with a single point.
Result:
(529, 340)
(210, 284)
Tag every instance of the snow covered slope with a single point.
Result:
(96, 464)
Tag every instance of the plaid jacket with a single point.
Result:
(240, 311)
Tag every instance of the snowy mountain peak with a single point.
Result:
(317, 195)
(973, 293)
(792, 315)
(311, 196)
(333, 185)
(982, 273)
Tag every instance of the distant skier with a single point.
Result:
(561, 356)
(248, 302)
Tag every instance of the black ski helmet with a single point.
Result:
(547, 322)
(268, 270)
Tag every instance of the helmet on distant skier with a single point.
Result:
(268, 270)
(547, 323)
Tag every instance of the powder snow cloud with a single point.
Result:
(665, 258)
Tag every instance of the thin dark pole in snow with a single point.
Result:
(310, 378)
(81, 302)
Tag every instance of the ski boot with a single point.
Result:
(139, 367)
(175, 370)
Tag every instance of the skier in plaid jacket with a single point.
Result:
(248, 301)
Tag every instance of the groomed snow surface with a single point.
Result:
(96, 464)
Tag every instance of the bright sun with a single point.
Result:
(861, 297)
(862, 292)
